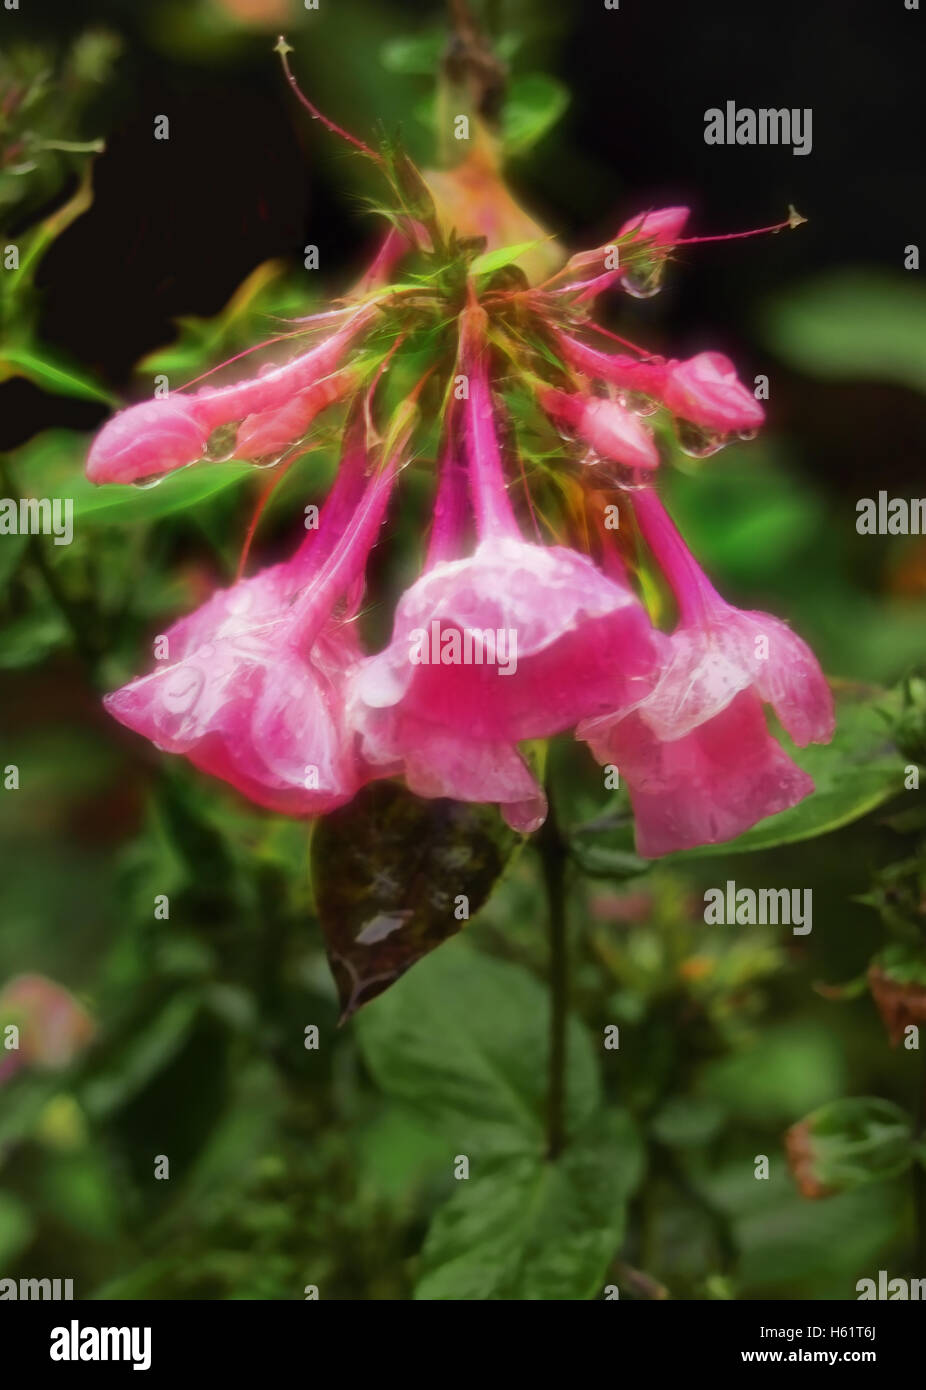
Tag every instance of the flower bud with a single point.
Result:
(706, 390)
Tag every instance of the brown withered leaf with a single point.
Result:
(389, 871)
(900, 1002)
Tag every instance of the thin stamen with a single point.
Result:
(793, 219)
(625, 342)
(284, 49)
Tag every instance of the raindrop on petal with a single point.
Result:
(221, 444)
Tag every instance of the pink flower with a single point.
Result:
(270, 433)
(612, 431)
(647, 376)
(253, 690)
(634, 258)
(54, 1027)
(695, 750)
(706, 390)
(553, 623)
(703, 389)
(705, 787)
(499, 641)
(661, 226)
(159, 436)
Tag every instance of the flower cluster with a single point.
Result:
(269, 686)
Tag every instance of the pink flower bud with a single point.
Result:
(150, 438)
(706, 390)
(607, 427)
(662, 226)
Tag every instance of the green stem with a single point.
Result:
(553, 853)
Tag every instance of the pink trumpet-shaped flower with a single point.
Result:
(440, 757)
(702, 721)
(159, 436)
(253, 690)
(610, 429)
(565, 640)
(705, 787)
(721, 649)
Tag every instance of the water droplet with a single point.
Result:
(697, 442)
(145, 484)
(746, 435)
(268, 460)
(640, 404)
(221, 444)
(644, 280)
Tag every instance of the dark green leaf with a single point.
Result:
(463, 1041)
(51, 375)
(394, 875)
(526, 1228)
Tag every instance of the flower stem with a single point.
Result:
(552, 849)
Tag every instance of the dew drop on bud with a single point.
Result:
(221, 444)
(145, 484)
(268, 460)
(642, 281)
(746, 435)
(697, 442)
(640, 404)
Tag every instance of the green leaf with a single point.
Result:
(51, 465)
(16, 1227)
(853, 324)
(116, 504)
(390, 872)
(527, 1228)
(152, 1045)
(414, 55)
(791, 1068)
(535, 103)
(490, 261)
(45, 372)
(850, 1142)
(463, 1041)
